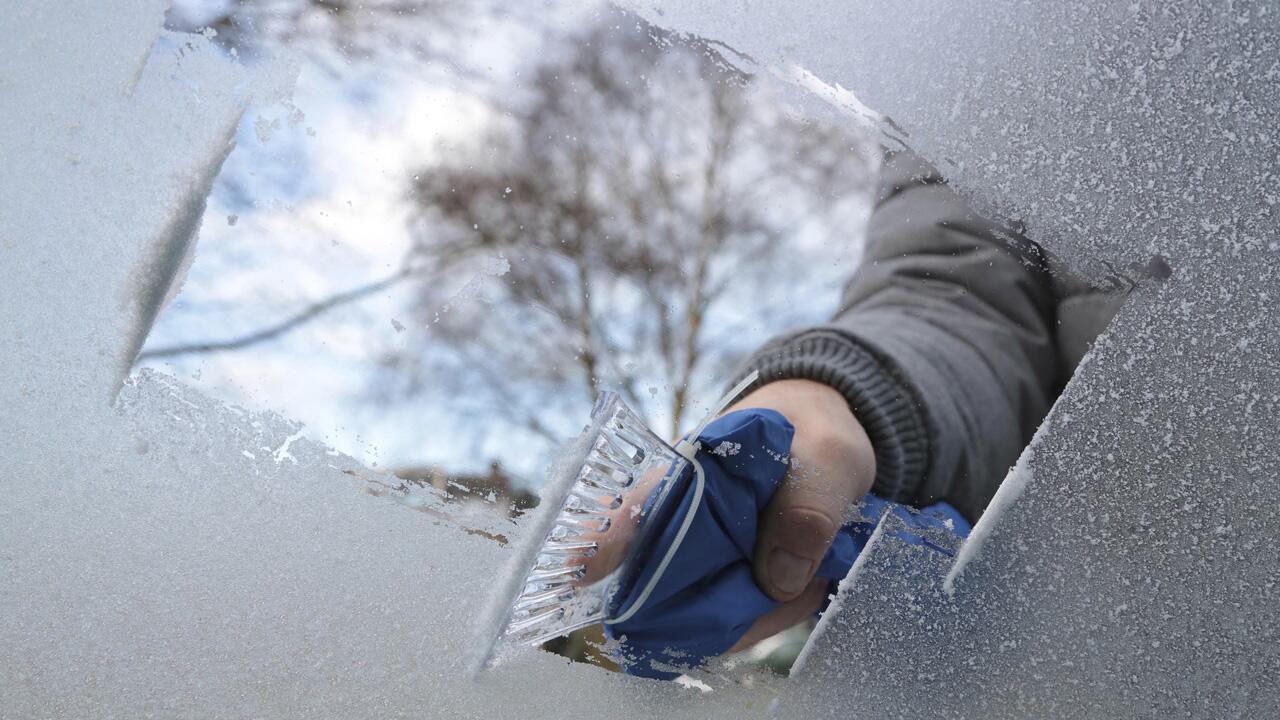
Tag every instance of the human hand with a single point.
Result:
(831, 466)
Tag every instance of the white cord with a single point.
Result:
(688, 445)
(688, 449)
(700, 482)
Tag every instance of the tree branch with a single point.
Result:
(272, 331)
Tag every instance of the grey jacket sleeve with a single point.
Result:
(943, 343)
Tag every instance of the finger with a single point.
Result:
(613, 542)
(784, 616)
(827, 473)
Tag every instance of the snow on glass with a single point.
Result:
(167, 555)
(1127, 566)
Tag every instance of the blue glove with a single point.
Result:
(707, 597)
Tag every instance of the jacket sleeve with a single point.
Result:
(943, 343)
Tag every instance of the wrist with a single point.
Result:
(884, 405)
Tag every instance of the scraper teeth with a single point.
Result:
(637, 454)
(572, 526)
(562, 532)
(610, 480)
(607, 464)
(546, 562)
(558, 575)
(552, 600)
(583, 523)
(606, 470)
(582, 505)
(537, 601)
(580, 548)
(521, 627)
(600, 499)
(609, 449)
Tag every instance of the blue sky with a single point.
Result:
(312, 201)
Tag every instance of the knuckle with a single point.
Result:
(834, 446)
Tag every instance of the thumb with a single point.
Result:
(827, 472)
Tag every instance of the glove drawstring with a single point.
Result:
(688, 449)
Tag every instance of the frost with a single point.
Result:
(281, 453)
(727, 449)
(1143, 131)
(161, 557)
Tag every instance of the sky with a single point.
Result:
(313, 200)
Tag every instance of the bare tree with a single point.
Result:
(638, 188)
(643, 196)
(280, 327)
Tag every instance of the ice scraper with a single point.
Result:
(655, 542)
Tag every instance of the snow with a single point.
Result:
(890, 612)
(168, 555)
(157, 191)
(157, 568)
(1025, 116)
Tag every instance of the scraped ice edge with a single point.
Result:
(843, 591)
(1011, 488)
(534, 529)
(166, 257)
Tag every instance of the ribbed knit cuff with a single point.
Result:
(883, 404)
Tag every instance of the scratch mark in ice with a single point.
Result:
(1015, 483)
(839, 97)
(282, 452)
